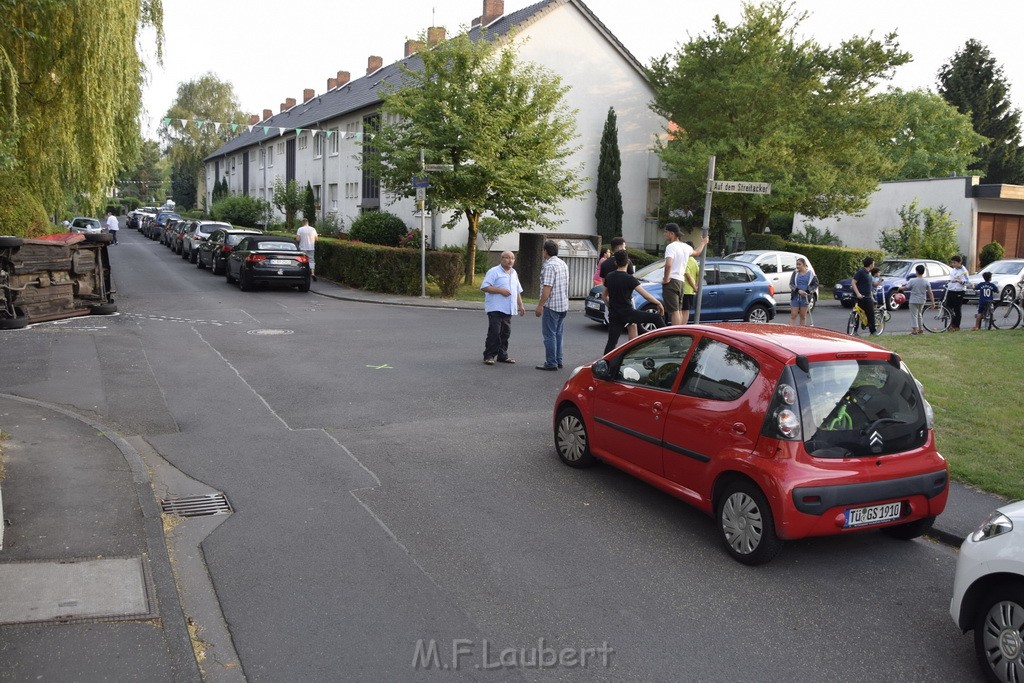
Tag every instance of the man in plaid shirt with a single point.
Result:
(553, 304)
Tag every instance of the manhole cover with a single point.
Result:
(268, 333)
(197, 506)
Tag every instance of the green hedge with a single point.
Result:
(21, 213)
(390, 270)
(831, 264)
(641, 258)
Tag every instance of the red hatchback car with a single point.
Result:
(779, 432)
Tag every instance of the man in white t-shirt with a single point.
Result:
(112, 226)
(307, 243)
(677, 254)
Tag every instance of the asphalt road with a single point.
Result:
(391, 490)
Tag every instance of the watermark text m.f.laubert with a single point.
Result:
(484, 654)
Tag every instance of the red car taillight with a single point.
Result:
(225, 249)
(302, 258)
(255, 258)
(783, 418)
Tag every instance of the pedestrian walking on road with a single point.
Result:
(112, 226)
(503, 297)
(618, 299)
(553, 305)
(307, 243)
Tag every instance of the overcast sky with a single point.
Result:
(269, 54)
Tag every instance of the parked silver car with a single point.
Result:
(778, 267)
(1006, 274)
(196, 234)
(86, 226)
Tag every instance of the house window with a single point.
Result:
(233, 164)
(335, 138)
(270, 156)
(351, 190)
(263, 157)
(371, 184)
(316, 194)
(332, 196)
(303, 141)
(318, 146)
(280, 148)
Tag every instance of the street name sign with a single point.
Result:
(438, 167)
(740, 186)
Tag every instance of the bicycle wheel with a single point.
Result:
(1006, 316)
(937, 319)
(853, 324)
(880, 318)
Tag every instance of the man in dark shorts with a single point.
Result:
(618, 298)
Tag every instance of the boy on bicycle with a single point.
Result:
(863, 286)
(986, 295)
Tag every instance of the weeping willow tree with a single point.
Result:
(70, 93)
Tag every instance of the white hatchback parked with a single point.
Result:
(988, 593)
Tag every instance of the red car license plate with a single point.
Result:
(874, 514)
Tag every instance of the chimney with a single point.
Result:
(289, 102)
(308, 94)
(412, 47)
(254, 119)
(373, 63)
(332, 83)
(343, 78)
(492, 10)
(267, 113)
(475, 22)
(435, 35)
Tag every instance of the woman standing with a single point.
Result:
(802, 283)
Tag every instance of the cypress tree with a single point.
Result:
(309, 205)
(609, 171)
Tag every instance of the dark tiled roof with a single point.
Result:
(365, 92)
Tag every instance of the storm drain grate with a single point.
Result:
(197, 506)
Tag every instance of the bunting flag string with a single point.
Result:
(200, 124)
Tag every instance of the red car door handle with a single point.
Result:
(739, 428)
(657, 407)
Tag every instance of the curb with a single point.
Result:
(179, 644)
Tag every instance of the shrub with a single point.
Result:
(481, 264)
(391, 270)
(240, 210)
(813, 235)
(129, 203)
(922, 233)
(993, 251)
(378, 227)
(641, 258)
(21, 214)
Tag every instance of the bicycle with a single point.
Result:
(938, 318)
(1001, 315)
(859, 319)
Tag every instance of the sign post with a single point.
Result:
(736, 186)
(420, 184)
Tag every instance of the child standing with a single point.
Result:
(986, 295)
(920, 291)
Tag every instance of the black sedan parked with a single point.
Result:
(265, 259)
(213, 253)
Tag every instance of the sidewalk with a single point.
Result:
(86, 590)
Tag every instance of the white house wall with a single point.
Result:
(598, 76)
(864, 231)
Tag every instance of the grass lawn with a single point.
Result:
(972, 380)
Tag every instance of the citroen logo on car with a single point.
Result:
(875, 442)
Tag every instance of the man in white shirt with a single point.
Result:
(112, 225)
(307, 243)
(955, 291)
(677, 254)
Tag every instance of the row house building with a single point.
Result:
(317, 141)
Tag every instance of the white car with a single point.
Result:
(86, 226)
(778, 267)
(988, 593)
(1006, 275)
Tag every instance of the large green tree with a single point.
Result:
(70, 92)
(974, 83)
(500, 123)
(146, 178)
(934, 140)
(773, 107)
(201, 104)
(609, 172)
